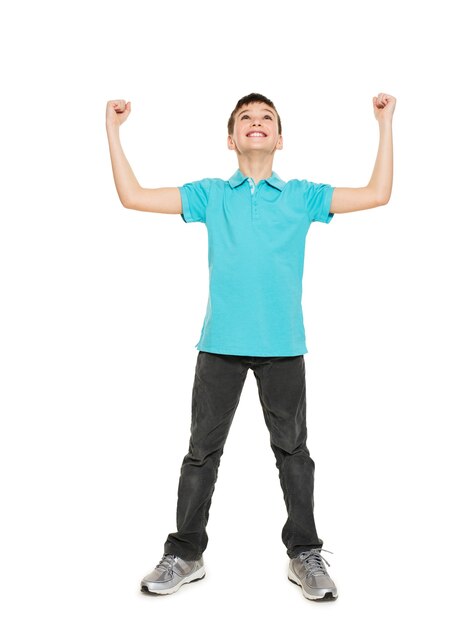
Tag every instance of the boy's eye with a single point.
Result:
(246, 115)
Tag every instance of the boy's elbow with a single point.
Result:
(383, 200)
(127, 204)
(130, 202)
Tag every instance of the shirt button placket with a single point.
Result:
(254, 206)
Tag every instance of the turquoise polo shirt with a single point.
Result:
(256, 246)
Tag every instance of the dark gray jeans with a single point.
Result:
(218, 383)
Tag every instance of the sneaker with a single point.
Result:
(308, 571)
(171, 573)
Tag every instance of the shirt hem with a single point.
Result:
(327, 199)
(243, 352)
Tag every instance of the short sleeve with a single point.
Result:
(319, 197)
(194, 200)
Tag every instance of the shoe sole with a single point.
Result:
(197, 575)
(326, 595)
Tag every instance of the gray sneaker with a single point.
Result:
(308, 571)
(171, 573)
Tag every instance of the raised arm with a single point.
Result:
(379, 189)
(131, 194)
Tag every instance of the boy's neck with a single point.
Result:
(258, 169)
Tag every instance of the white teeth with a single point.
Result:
(256, 135)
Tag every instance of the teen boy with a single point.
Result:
(257, 225)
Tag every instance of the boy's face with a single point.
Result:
(255, 130)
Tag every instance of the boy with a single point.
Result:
(257, 225)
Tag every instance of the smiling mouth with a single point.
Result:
(256, 134)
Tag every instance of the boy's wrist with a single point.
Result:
(112, 128)
(385, 123)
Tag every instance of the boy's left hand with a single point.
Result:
(384, 106)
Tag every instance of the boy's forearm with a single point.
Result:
(382, 176)
(124, 179)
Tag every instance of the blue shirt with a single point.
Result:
(256, 239)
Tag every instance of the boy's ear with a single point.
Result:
(230, 144)
(280, 143)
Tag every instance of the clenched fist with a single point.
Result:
(384, 105)
(117, 112)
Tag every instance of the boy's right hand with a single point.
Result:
(117, 112)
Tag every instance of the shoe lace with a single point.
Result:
(167, 562)
(313, 561)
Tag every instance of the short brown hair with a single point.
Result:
(252, 97)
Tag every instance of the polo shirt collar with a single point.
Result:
(238, 178)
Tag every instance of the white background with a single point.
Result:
(102, 307)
